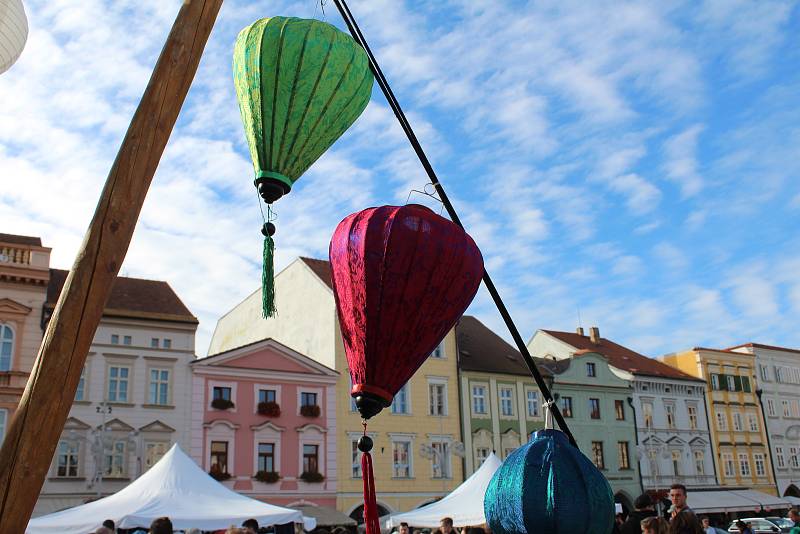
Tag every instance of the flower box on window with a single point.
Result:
(312, 476)
(269, 409)
(268, 477)
(309, 410)
(218, 475)
(222, 404)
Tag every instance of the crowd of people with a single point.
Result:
(163, 525)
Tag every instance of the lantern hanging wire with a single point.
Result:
(355, 31)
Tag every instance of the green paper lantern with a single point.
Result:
(300, 83)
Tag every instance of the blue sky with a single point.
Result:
(636, 164)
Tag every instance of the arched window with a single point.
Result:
(6, 346)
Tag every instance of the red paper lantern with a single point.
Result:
(402, 276)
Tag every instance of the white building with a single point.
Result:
(778, 382)
(673, 441)
(133, 399)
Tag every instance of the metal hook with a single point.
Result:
(426, 193)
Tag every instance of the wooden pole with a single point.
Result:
(38, 422)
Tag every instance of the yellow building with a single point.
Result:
(417, 453)
(736, 422)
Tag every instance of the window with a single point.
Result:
(506, 401)
(153, 451)
(308, 399)
(266, 457)
(727, 462)
(597, 455)
(793, 459)
(737, 422)
(159, 386)
(115, 339)
(355, 456)
(669, 409)
(219, 456)
(647, 414)
(795, 408)
(401, 454)
(533, 403)
(622, 455)
(786, 409)
(118, 384)
(126, 340)
(6, 347)
(692, 411)
(779, 458)
(478, 399)
(116, 464)
(311, 458)
(676, 463)
(3, 418)
(771, 407)
(438, 398)
(731, 383)
(722, 422)
(594, 408)
(744, 465)
(507, 452)
(764, 372)
(481, 454)
(752, 422)
(714, 381)
(619, 409)
(400, 401)
(653, 456)
(267, 395)
(590, 369)
(80, 393)
(699, 463)
(353, 406)
(441, 459)
(220, 392)
(67, 459)
(438, 352)
(745, 384)
(154, 343)
(758, 460)
(167, 343)
(566, 406)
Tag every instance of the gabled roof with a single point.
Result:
(762, 346)
(622, 357)
(132, 297)
(321, 268)
(220, 358)
(21, 240)
(480, 349)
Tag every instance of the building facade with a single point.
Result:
(673, 442)
(501, 405)
(737, 425)
(779, 394)
(417, 441)
(24, 275)
(264, 423)
(133, 399)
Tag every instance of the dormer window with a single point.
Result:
(591, 369)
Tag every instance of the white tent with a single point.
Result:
(177, 488)
(464, 504)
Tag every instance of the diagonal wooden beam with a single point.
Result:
(33, 434)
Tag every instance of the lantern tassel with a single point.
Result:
(268, 278)
(371, 522)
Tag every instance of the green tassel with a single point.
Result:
(268, 279)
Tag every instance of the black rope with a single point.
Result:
(355, 31)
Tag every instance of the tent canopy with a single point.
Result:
(177, 488)
(464, 504)
(734, 501)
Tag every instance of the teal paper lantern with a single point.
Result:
(549, 487)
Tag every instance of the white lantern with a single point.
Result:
(13, 32)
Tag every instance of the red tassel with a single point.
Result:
(371, 522)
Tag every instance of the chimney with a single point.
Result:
(594, 335)
(579, 331)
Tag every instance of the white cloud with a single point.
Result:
(671, 256)
(680, 153)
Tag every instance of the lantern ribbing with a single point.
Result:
(355, 31)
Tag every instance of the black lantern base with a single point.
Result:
(271, 189)
(369, 404)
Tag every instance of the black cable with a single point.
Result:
(355, 31)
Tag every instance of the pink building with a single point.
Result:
(264, 423)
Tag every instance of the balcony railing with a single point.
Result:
(20, 256)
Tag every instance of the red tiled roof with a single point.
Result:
(480, 349)
(322, 268)
(21, 240)
(622, 357)
(762, 346)
(132, 297)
